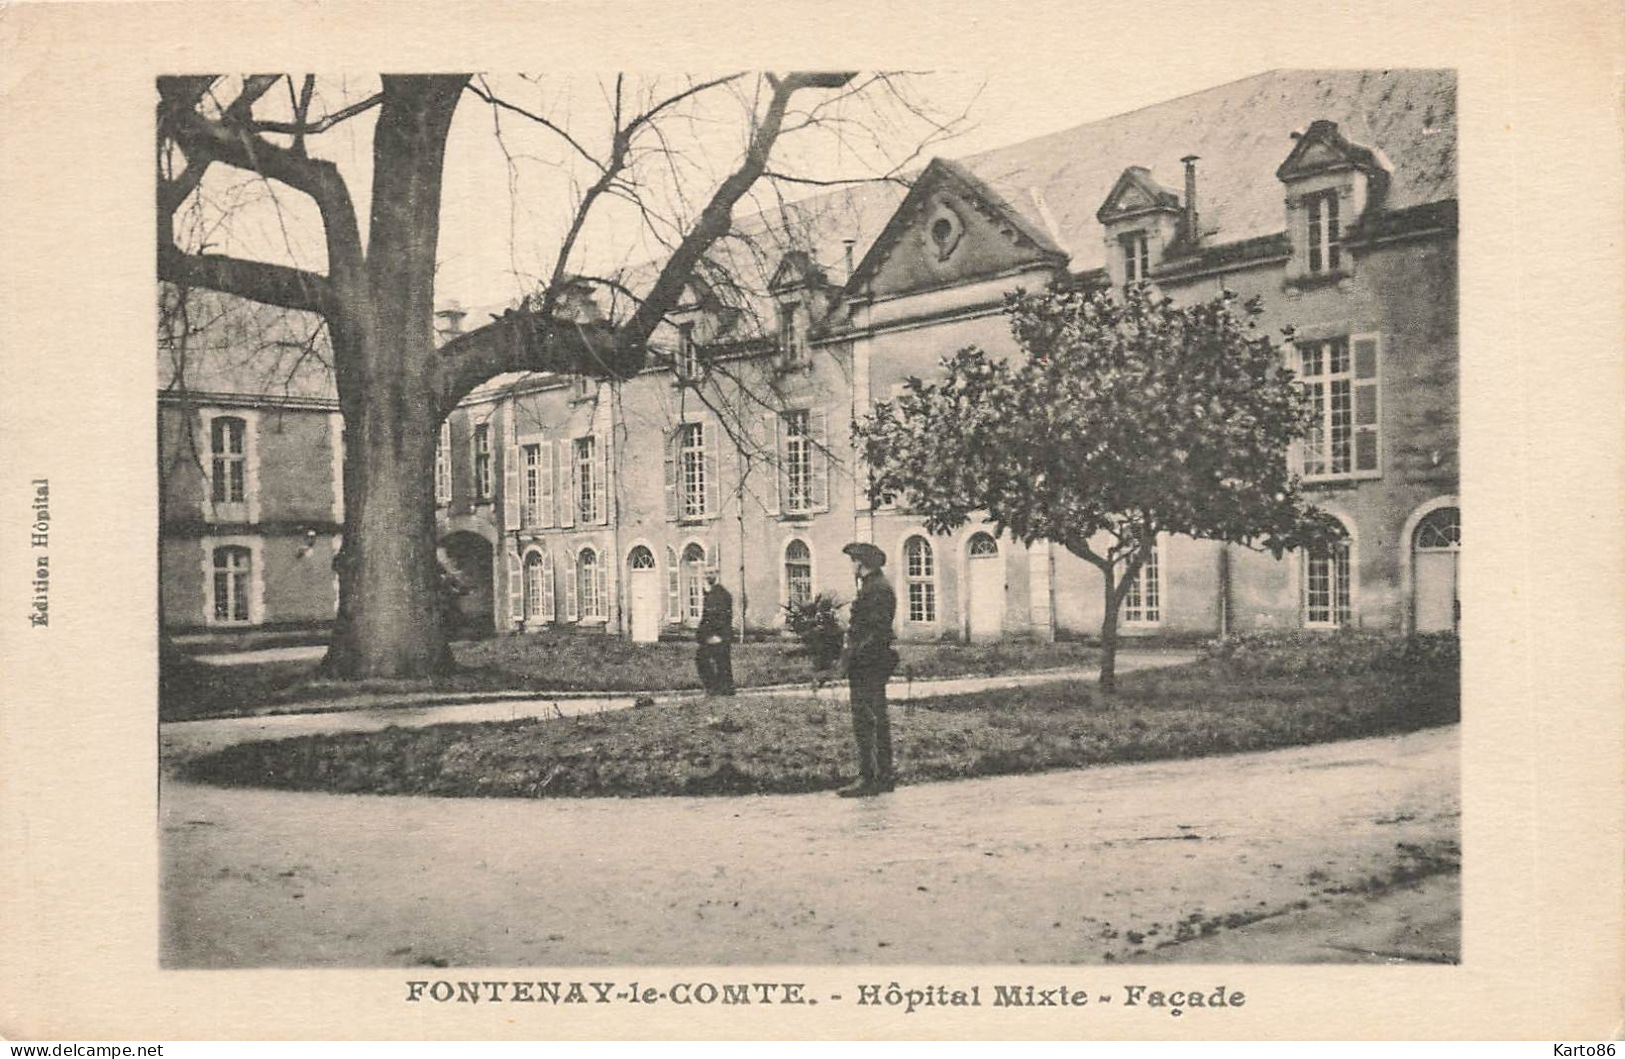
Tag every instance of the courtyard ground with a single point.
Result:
(1344, 852)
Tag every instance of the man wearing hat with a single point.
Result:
(869, 662)
(716, 634)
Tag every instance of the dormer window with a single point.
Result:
(688, 352)
(792, 340)
(1136, 249)
(1331, 183)
(1325, 235)
(1141, 220)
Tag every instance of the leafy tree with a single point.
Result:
(1118, 419)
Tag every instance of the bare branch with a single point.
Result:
(837, 181)
(717, 217)
(299, 128)
(496, 101)
(259, 281)
(204, 141)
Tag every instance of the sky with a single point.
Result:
(511, 184)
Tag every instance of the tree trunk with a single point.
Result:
(1108, 635)
(390, 622)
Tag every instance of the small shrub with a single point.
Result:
(817, 624)
(1305, 654)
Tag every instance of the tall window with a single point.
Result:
(1142, 605)
(1325, 235)
(694, 582)
(442, 465)
(798, 462)
(692, 467)
(1340, 377)
(533, 485)
(919, 571)
(1328, 595)
(590, 585)
(538, 588)
(229, 460)
(588, 487)
(233, 567)
(482, 461)
(797, 572)
(688, 352)
(1136, 256)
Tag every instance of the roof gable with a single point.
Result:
(1322, 147)
(951, 227)
(1135, 193)
(797, 269)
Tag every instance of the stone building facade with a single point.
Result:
(1329, 195)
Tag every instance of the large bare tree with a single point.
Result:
(377, 298)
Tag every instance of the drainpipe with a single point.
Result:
(739, 513)
(1224, 590)
(1192, 233)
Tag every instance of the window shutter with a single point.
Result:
(442, 465)
(771, 437)
(600, 586)
(600, 481)
(674, 597)
(567, 483)
(672, 441)
(511, 493)
(1367, 404)
(516, 589)
(818, 430)
(713, 555)
(549, 603)
(544, 498)
(571, 611)
(712, 437)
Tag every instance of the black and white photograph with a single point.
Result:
(841, 548)
(783, 521)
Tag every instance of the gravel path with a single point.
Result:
(1067, 867)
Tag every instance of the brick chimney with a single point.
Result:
(1193, 234)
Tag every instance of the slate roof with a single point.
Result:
(219, 344)
(1241, 132)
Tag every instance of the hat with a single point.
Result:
(866, 553)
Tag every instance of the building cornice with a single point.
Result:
(210, 398)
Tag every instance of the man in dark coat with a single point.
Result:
(869, 661)
(716, 635)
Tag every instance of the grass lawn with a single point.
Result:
(546, 662)
(786, 746)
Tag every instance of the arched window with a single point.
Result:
(590, 585)
(1440, 529)
(983, 545)
(228, 460)
(233, 569)
(693, 582)
(797, 572)
(1328, 596)
(919, 571)
(538, 588)
(641, 559)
